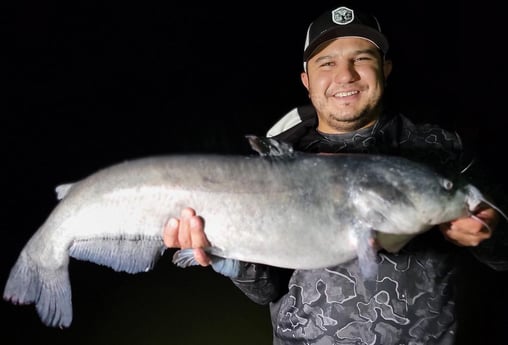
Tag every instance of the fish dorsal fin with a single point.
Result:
(270, 147)
(62, 190)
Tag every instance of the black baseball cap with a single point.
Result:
(343, 22)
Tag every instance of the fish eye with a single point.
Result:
(447, 184)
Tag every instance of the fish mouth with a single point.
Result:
(475, 199)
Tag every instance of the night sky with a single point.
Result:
(92, 83)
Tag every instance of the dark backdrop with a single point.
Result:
(91, 83)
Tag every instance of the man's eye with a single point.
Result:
(327, 64)
(363, 58)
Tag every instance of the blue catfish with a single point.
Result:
(281, 208)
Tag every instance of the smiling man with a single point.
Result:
(412, 298)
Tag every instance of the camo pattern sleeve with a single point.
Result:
(260, 283)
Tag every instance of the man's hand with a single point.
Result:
(187, 232)
(470, 232)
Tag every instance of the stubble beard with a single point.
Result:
(353, 122)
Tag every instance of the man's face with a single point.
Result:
(345, 81)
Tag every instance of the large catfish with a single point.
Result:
(281, 208)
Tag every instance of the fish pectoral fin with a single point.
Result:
(229, 267)
(127, 254)
(185, 258)
(367, 254)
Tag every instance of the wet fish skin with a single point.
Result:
(300, 211)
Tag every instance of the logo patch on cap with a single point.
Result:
(342, 15)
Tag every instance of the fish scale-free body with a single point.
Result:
(300, 211)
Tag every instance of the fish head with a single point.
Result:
(408, 205)
(444, 201)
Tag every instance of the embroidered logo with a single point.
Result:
(342, 15)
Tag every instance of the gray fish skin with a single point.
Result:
(300, 211)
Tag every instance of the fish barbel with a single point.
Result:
(282, 208)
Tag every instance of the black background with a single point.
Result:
(91, 83)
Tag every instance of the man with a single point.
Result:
(411, 300)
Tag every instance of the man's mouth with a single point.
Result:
(345, 93)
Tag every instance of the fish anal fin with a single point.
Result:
(124, 254)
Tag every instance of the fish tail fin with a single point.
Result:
(367, 255)
(50, 291)
(228, 267)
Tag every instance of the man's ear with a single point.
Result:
(304, 77)
(387, 68)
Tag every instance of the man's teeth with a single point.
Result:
(345, 94)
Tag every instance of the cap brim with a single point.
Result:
(352, 30)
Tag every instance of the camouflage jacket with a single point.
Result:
(413, 298)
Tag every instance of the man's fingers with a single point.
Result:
(201, 257)
(465, 239)
(471, 235)
(197, 235)
(170, 234)
(187, 212)
(187, 232)
(184, 237)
